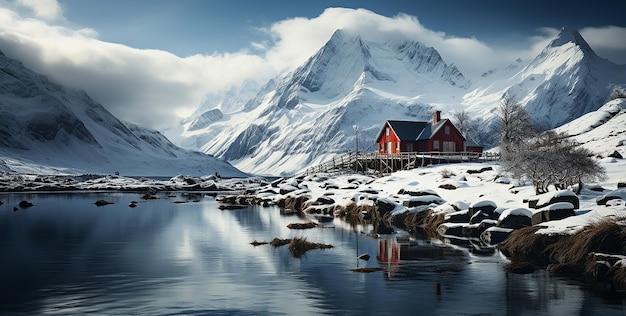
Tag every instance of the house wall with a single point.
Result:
(384, 139)
(441, 136)
(474, 149)
(398, 146)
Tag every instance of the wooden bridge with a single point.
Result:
(383, 164)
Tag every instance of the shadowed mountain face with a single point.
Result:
(45, 126)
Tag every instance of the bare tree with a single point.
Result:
(553, 159)
(514, 125)
(464, 122)
(618, 93)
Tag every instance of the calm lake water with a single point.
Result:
(65, 255)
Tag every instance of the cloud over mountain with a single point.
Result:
(146, 86)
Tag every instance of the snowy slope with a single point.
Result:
(48, 128)
(350, 84)
(602, 131)
(199, 128)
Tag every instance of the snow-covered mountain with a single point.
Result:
(47, 128)
(198, 129)
(566, 80)
(351, 86)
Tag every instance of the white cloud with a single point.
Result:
(150, 87)
(608, 42)
(45, 9)
(142, 86)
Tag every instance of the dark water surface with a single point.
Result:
(65, 255)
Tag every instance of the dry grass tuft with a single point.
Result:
(277, 242)
(606, 236)
(357, 214)
(426, 221)
(525, 243)
(306, 225)
(617, 273)
(298, 246)
(593, 252)
(431, 221)
(296, 203)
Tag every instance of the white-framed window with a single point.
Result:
(387, 131)
(446, 129)
(397, 146)
(435, 144)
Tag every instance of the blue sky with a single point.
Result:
(205, 26)
(163, 56)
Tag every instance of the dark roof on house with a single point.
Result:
(472, 143)
(414, 131)
(407, 130)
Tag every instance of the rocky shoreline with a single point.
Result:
(472, 206)
(61, 183)
(596, 253)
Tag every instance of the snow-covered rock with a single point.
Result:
(515, 218)
(613, 195)
(556, 211)
(543, 200)
(495, 235)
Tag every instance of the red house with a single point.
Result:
(410, 136)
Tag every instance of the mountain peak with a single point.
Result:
(571, 35)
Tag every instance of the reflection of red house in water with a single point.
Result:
(388, 250)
